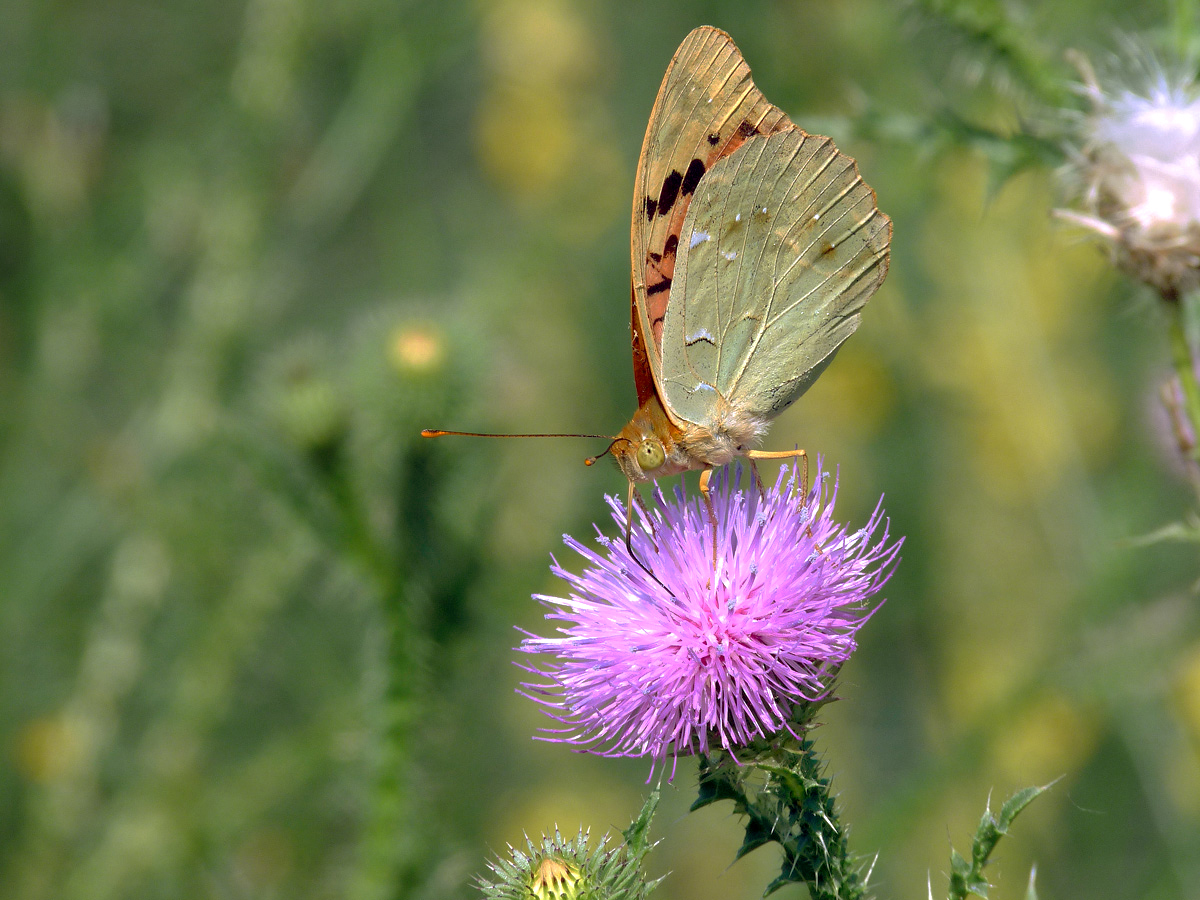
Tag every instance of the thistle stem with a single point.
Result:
(386, 865)
(1181, 354)
(794, 808)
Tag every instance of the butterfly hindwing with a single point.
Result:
(707, 108)
(781, 247)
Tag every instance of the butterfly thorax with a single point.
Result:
(684, 446)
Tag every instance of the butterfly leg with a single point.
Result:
(784, 454)
(705, 477)
(758, 482)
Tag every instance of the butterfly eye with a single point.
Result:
(650, 455)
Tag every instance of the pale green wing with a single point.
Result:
(781, 248)
(707, 107)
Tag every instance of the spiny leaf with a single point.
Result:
(637, 835)
(712, 790)
(1017, 802)
(967, 878)
(756, 836)
(958, 865)
(792, 807)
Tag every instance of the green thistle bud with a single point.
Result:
(561, 869)
(556, 879)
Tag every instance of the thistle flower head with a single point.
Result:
(689, 658)
(1137, 175)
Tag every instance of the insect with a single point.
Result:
(755, 246)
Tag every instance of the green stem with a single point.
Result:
(793, 807)
(387, 852)
(1181, 354)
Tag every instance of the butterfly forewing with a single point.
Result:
(643, 377)
(706, 109)
(781, 247)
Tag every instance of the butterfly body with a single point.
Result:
(683, 448)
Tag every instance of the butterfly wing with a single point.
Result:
(781, 247)
(643, 377)
(707, 108)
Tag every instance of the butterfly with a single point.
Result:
(755, 246)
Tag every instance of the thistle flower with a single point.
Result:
(1137, 176)
(689, 659)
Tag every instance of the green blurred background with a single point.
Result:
(256, 635)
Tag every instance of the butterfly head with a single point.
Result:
(650, 455)
(648, 446)
(640, 460)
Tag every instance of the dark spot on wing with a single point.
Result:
(671, 245)
(669, 192)
(713, 139)
(651, 207)
(664, 285)
(695, 172)
(657, 257)
(746, 129)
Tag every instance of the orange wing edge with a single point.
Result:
(643, 376)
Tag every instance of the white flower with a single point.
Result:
(1137, 175)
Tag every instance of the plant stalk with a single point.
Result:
(1185, 370)
(786, 799)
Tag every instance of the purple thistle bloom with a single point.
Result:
(703, 659)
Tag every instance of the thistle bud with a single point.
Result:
(560, 869)
(556, 879)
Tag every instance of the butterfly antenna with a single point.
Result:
(591, 460)
(437, 432)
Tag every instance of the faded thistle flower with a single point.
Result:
(1136, 175)
(689, 659)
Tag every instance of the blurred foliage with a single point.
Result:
(255, 633)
